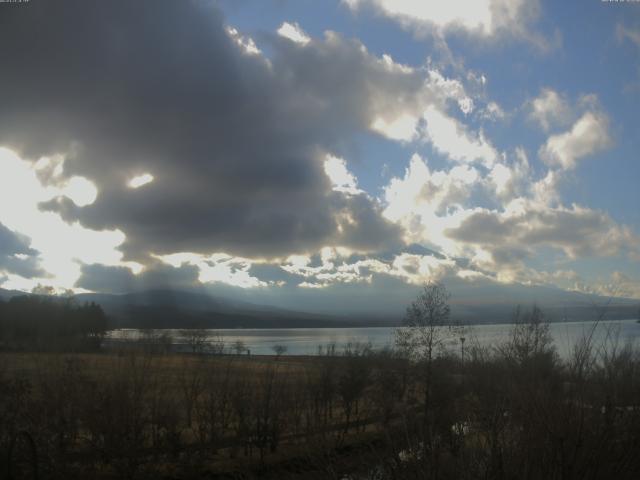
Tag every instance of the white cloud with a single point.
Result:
(451, 138)
(442, 87)
(545, 190)
(247, 44)
(341, 179)
(501, 176)
(401, 121)
(470, 15)
(217, 268)
(623, 286)
(626, 33)
(481, 18)
(426, 203)
(441, 210)
(550, 109)
(140, 180)
(589, 135)
(511, 180)
(293, 32)
(493, 112)
(394, 66)
(417, 269)
(50, 171)
(337, 267)
(334, 267)
(402, 127)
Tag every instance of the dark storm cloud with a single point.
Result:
(483, 228)
(105, 279)
(235, 142)
(12, 244)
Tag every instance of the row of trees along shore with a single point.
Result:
(416, 411)
(38, 322)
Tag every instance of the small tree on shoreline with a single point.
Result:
(279, 350)
(427, 324)
(196, 339)
(426, 328)
(239, 347)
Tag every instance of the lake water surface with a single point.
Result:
(305, 341)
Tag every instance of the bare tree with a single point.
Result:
(196, 339)
(216, 344)
(279, 350)
(191, 382)
(427, 326)
(239, 347)
(530, 336)
(166, 341)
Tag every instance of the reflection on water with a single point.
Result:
(305, 341)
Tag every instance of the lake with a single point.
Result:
(305, 341)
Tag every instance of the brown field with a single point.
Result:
(255, 392)
(138, 413)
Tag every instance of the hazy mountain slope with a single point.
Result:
(478, 304)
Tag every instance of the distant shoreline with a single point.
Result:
(317, 341)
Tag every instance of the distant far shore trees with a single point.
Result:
(33, 322)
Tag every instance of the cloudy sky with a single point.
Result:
(281, 147)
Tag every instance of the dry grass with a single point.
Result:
(97, 365)
(138, 414)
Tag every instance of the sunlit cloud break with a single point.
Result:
(140, 180)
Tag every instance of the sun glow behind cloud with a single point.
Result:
(62, 246)
(81, 191)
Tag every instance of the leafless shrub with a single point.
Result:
(153, 341)
(279, 350)
(239, 347)
(196, 339)
(354, 378)
(191, 380)
(214, 409)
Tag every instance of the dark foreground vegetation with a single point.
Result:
(515, 411)
(512, 412)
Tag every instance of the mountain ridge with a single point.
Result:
(174, 308)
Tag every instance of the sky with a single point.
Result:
(304, 152)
